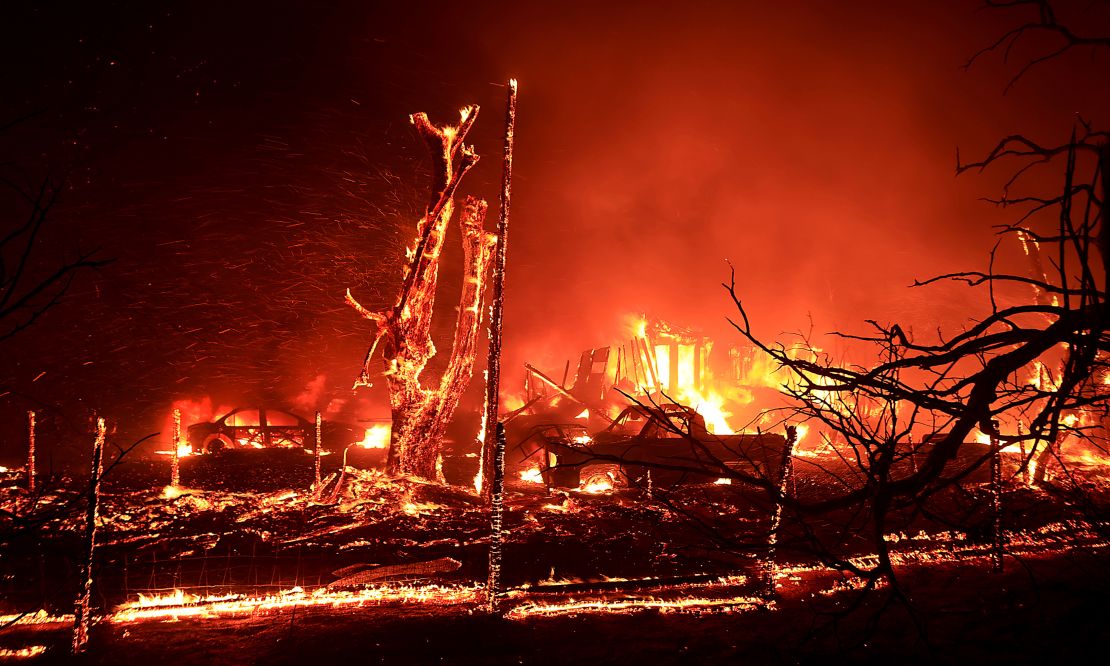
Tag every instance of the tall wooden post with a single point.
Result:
(496, 443)
(316, 451)
(31, 451)
(1025, 456)
(497, 517)
(82, 613)
(786, 471)
(997, 545)
(493, 362)
(175, 464)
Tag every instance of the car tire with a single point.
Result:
(597, 475)
(217, 444)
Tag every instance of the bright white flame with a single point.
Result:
(232, 605)
(723, 482)
(532, 475)
(598, 485)
(377, 437)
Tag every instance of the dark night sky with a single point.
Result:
(244, 163)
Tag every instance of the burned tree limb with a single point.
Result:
(23, 299)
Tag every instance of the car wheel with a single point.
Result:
(216, 444)
(598, 478)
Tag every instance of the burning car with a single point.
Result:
(262, 428)
(670, 441)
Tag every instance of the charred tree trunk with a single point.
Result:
(82, 611)
(421, 415)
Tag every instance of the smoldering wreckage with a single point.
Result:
(664, 473)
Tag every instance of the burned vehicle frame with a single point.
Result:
(265, 428)
(667, 443)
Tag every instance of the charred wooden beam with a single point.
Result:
(997, 536)
(175, 460)
(786, 471)
(497, 517)
(31, 451)
(497, 307)
(316, 453)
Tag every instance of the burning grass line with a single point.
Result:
(168, 608)
(22, 653)
(616, 584)
(38, 618)
(632, 605)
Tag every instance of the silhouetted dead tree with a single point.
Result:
(27, 289)
(1063, 37)
(902, 429)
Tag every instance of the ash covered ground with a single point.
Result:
(615, 577)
